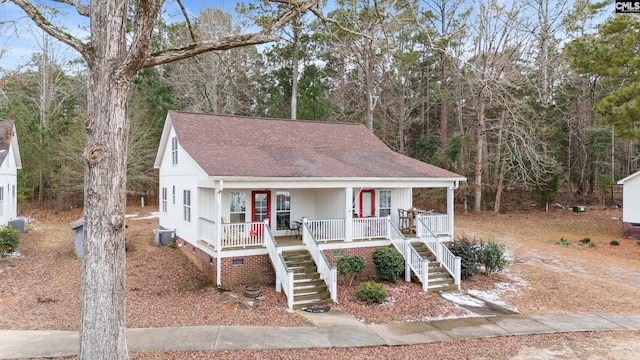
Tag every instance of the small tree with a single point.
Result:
(9, 240)
(350, 266)
(389, 263)
(492, 257)
(469, 253)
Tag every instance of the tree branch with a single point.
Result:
(145, 18)
(199, 47)
(80, 8)
(320, 16)
(231, 42)
(186, 19)
(49, 28)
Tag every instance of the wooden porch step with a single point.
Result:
(311, 303)
(306, 276)
(307, 282)
(444, 288)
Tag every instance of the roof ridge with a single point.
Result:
(248, 117)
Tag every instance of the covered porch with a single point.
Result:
(250, 235)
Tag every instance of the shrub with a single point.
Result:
(469, 253)
(389, 263)
(371, 292)
(563, 242)
(585, 241)
(350, 266)
(492, 257)
(9, 240)
(614, 243)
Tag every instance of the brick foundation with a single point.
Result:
(247, 270)
(631, 230)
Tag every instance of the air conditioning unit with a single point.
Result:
(18, 224)
(164, 237)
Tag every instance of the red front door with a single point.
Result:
(261, 205)
(367, 203)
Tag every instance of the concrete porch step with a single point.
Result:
(310, 303)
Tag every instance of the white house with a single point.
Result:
(631, 205)
(10, 162)
(243, 194)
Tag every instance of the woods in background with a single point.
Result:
(529, 102)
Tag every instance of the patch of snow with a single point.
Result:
(468, 314)
(13, 254)
(495, 295)
(152, 215)
(127, 216)
(462, 299)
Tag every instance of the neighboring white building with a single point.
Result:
(631, 205)
(233, 188)
(10, 162)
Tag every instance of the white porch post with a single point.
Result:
(218, 222)
(450, 209)
(348, 216)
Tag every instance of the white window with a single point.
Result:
(283, 209)
(186, 206)
(174, 195)
(164, 199)
(174, 150)
(385, 202)
(13, 196)
(238, 207)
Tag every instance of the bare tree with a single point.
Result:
(491, 73)
(113, 56)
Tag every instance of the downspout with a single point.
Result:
(218, 200)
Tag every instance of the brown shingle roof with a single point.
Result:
(240, 146)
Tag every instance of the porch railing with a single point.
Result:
(327, 272)
(207, 230)
(242, 234)
(369, 228)
(327, 230)
(438, 224)
(443, 255)
(412, 260)
(284, 276)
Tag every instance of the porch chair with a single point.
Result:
(294, 228)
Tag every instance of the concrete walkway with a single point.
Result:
(332, 329)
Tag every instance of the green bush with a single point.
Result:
(9, 240)
(585, 241)
(389, 263)
(371, 292)
(614, 243)
(469, 253)
(492, 257)
(350, 266)
(563, 242)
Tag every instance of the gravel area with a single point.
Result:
(41, 289)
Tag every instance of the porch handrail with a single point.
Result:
(412, 260)
(444, 256)
(242, 234)
(437, 224)
(370, 227)
(327, 229)
(284, 275)
(328, 273)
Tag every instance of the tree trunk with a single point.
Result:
(480, 135)
(103, 314)
(295, 75)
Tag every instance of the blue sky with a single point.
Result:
(20, 38)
